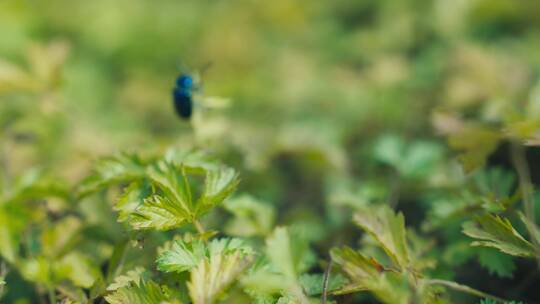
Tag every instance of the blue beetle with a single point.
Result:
(183, 95)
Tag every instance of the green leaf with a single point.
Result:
(218, 185)
(77, 268)
(229, 245)
(71, 294)
(131, 199)
(532, 228)
(186, 255)
(142, 293)
(388, 229)
(36, 270)
(74, 266)
(286, 255)
(212, 276)
(363, 271)
(113, 170)
(15, 220)
(497, 232)
(263, 281)
(3, 273)
(366, 274)
(475, 143)
(194, 160)
(292, 299)
(489, 301)
(60, 238)
(413, 161)
(251, 217)
(135, 276)
(35, 184)
(313, 283)
(496, 262)
(172, 180)
(159, 213)
(182, 256)
(173, 206)
(261, 298)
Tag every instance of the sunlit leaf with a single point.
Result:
(313, 283)
(363, 271)
(388, 228)
(184, 256)
(158, 212)
(212, 276)
(366, 274)
(218, 185)
(135, 276)
(172, 180)
(142, 293)
(498, 232)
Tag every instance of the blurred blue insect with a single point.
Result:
(183, 95)
(186, 86)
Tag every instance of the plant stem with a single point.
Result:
(4, 164)
(325, 281)
(525, 185)
(199, 227)
(520, 163)
(395, 187)
(52, 295)
(464, 288)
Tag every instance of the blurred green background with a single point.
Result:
(317, 73)
(308, 99)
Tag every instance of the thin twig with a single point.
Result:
(52, 295)
(520, 163)
(395, 188)
(199, 227)
(464, 288)
(525, 184)
(326, 279)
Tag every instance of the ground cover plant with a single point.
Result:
(337, 152)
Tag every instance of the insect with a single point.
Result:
(183, 95)
(186, 85)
